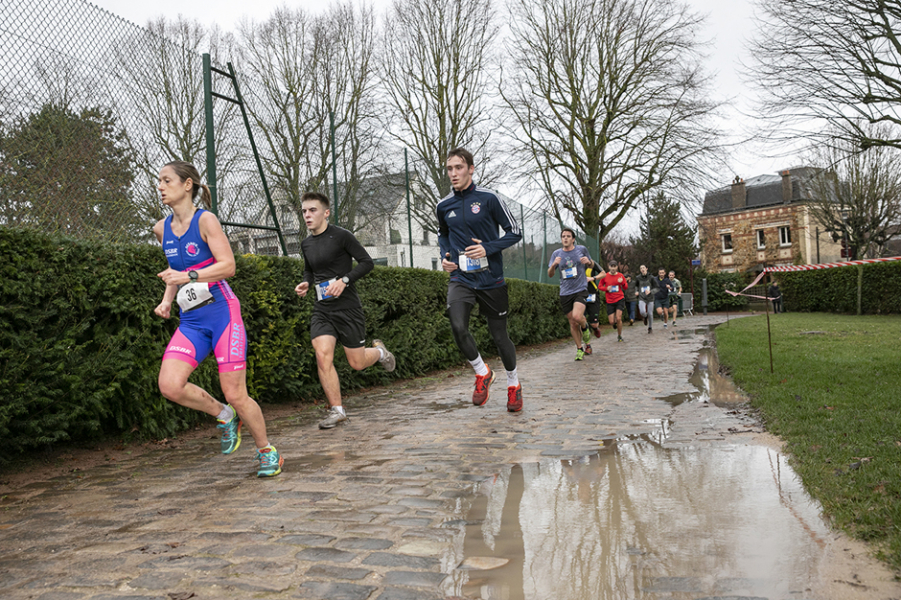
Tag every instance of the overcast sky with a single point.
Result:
(729, 26)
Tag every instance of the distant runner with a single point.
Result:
(646, 285)
(615, 285)
(572, 260)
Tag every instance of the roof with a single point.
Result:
(762, 190)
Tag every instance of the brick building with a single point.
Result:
(761, 222)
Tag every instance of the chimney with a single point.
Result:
(739, 193)
(786, 186)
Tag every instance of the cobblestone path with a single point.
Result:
(373, 509)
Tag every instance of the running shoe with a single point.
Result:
(586, 335)
(597, 332)
(664, 326)
(388, 362)
(631, 322)
(333, 417)
(580, 354)
(619, 338)
(674, 323)
(270, 462)
(514, 398)
(483, 382)
(588, 349)
(649, 330)
(645, 319)
(231, 434)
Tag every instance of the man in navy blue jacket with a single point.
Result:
(468, 222)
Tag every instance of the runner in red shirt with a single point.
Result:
(613, 284)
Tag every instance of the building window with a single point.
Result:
(394, 236)
(785, 236)
(425, 237)
(761, 239)
(727, 243)
(434, 264)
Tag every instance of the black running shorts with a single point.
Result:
(347, 325)
(493, 303)
(567, 302)
(612, 307)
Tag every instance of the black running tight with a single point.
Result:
(459, 318)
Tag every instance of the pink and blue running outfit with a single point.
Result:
(216, 327)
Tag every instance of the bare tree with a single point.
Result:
(437, 75)
(611, 103)
(160, 70)
(856, 196)
(305, 68)
(826, 68)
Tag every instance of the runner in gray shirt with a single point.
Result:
(572, 260)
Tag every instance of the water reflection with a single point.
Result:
(642, 521)
(712, 387)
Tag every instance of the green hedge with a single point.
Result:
(80, 347)
(835, 290)
(717, 298)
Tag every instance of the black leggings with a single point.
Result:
(459, 319)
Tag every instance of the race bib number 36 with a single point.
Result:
(193, 295)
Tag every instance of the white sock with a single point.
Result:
(479, 365)
(227, 414)
(512, 378)
(382, 353)
(340, 409)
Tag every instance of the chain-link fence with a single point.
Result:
(92, 106)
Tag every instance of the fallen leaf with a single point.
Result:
(181, 595)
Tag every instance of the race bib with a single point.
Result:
(646, 290)
(591, 298)
(569, 273)
(322, 286)
(193, 295)
(613, 289)
(473, 265)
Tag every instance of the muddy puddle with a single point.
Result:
(642, 520)
(712, 386)
(639, 520)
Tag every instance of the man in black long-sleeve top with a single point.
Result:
(328, 255)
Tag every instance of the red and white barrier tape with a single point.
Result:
(865, 261)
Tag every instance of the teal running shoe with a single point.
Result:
(231, 434)
(270, 462)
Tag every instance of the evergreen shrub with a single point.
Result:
(80, 346)
(835, 290)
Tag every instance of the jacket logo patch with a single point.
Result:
(476, 207)
(451, 214)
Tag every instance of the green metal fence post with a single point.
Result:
(256, 156)
(331, 118)
(210, 137)
(522, 219)
(409, 220)
(541, 271)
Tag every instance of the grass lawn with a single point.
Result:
(835, 398)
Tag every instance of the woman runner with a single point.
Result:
(200, 259)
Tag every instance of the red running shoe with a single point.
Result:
(483, 382)
(597, 332)
(514, 398)
(587, 348)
